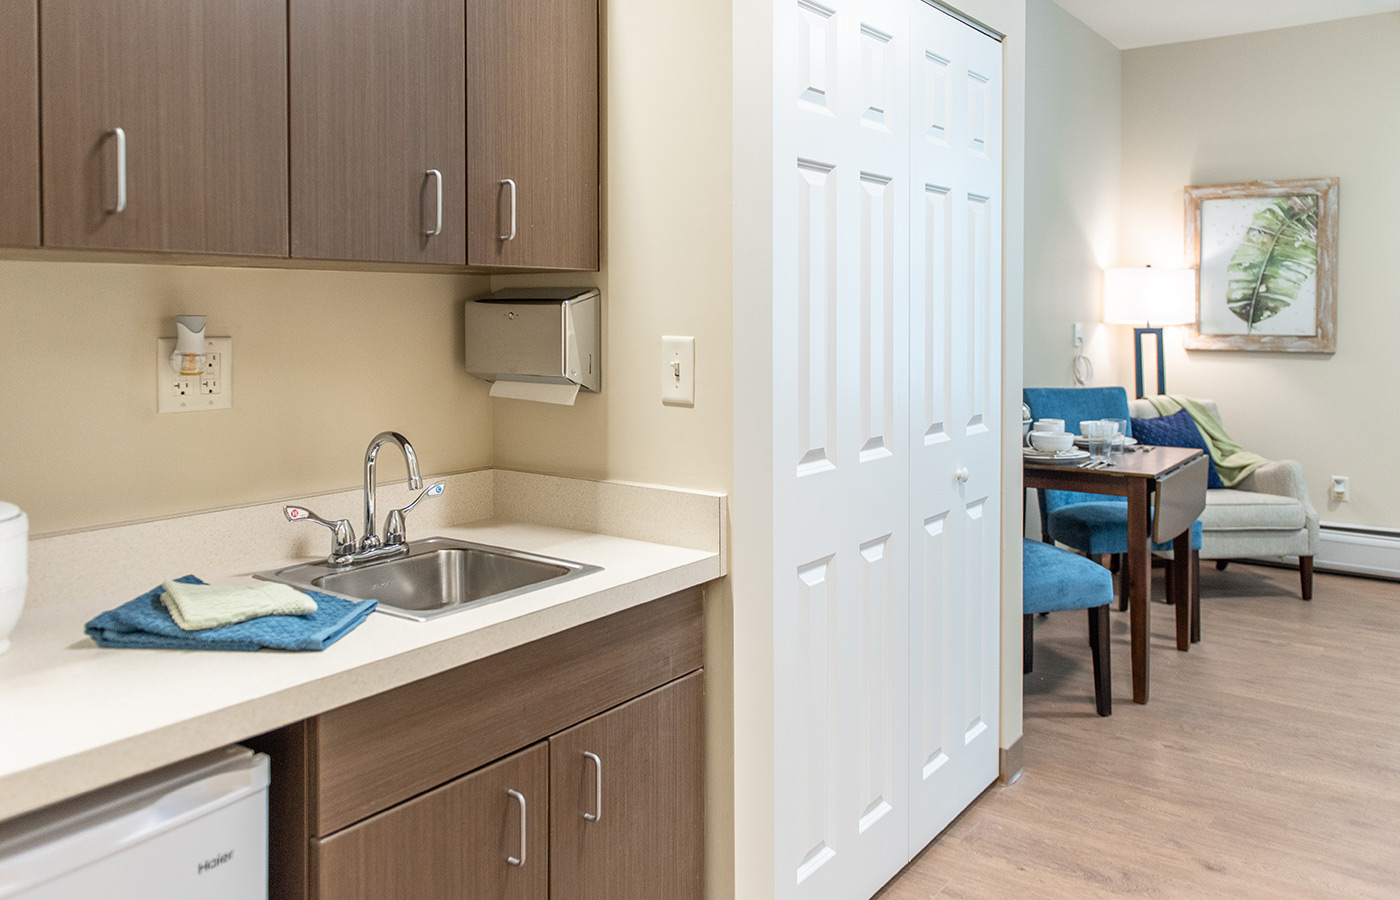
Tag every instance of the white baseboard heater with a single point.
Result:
(1358, 550)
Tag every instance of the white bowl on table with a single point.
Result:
(1052, 441)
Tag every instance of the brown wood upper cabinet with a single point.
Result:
(165, 125)
(532, 130)
(378, 130)
(19, 124)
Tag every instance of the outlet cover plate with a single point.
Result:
(175, 394)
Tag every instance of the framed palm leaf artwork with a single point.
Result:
(1265, 254)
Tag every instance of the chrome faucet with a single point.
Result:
(344, 550)
(371, 541)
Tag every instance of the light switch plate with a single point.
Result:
(677, 370)
(213, 389)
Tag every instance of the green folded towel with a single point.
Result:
(195, 607)
(1232, 462)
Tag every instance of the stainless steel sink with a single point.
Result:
(437, 576)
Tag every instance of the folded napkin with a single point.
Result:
(198, 606)
(145, 623)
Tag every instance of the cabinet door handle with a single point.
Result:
(120, 134)
(961, 474)
(519, 860)
(510, 183)
(436, 230)
(597, 813)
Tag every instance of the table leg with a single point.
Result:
(1139, 584)
(1181, 577)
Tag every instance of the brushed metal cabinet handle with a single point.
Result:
(436, 230)
(519, 860)
(597, 813)
(120, 134)
(510, 182)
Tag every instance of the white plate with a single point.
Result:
(1081, 441)
(1054, 456)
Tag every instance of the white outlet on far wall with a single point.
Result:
(211, 389)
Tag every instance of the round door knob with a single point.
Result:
(961, 474)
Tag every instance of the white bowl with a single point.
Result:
(1049, 426)
(1047, 441)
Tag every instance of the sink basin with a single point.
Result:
(437, 576)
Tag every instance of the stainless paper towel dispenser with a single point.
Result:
(539, 335)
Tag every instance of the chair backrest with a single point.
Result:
(1075, 405)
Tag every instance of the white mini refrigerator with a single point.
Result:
(196, 830)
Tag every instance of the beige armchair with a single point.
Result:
(1267, 514)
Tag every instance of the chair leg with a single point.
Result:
(1305, 570)
(1099, 644)
(1115, 562)
(1123, 581)
(1220, 564)
(1195, 596)
(1027, 643)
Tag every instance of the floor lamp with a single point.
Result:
(1149, 298)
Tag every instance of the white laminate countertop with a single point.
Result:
(77, 717)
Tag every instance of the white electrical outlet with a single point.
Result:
(677, 370)
(1341, 488)
(211, 389)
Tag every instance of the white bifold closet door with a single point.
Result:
(955, 434)
(886, 372)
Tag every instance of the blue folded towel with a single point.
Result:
(144, 623)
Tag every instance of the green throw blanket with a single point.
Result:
(1232, 462)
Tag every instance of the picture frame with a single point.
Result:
(1265, 255)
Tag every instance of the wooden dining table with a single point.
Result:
(1166, 491)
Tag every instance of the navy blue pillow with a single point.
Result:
(1176, 430)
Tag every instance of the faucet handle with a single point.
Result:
(394, 524)
(342, 533)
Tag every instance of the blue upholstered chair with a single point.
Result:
(1094, 524)
(1054, 580)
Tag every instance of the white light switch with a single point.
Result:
(677, 370)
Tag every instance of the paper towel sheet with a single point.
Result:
(562, 394)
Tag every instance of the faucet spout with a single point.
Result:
(371, 540)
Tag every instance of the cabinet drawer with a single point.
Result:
(385, 749)
(484, 835)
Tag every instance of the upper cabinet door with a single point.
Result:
(532, 120)
(165, 125)
(378, 126)
(19, 124)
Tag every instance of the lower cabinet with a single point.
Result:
(626, 800)
(570, 768)
(484, 835)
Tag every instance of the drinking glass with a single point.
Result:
(1117, 441)
(1098, 432)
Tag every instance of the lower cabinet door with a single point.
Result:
(627, 800)
(483, 836)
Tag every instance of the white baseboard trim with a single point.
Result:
(1358, 550)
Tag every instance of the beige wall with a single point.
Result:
(1073, 132)
(1318, 100)
(322, 361)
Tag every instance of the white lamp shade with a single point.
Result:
(1149, 296)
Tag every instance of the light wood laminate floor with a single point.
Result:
(1267, 764)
